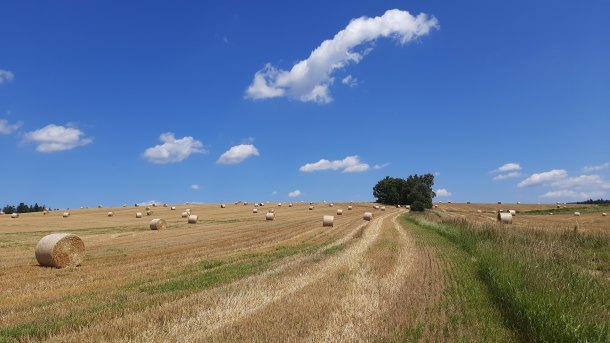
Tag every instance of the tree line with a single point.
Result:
(23, 208)
(415, 190)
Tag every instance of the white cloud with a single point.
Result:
(602, 166)
(310, 79)
(573, 194)
(508, 167)
(350, 164)
(6, 128)
(507, 176)
(294, 193)
(237, 154)
(437, 173)
(582, 181)
(53, 138)
(442, 193)
(274, 193)
(350, 81)
(195, 186)
(544, 178)
(6, 76)
(380, 166)
(173, 150)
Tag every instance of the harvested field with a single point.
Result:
(235, 276)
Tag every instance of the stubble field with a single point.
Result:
(234, 276)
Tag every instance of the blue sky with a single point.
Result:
(123, 102)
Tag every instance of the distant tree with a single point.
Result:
(416, 191)
(390, 190)
(23, 208)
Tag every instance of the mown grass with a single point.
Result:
(551, 287)
(466, 300)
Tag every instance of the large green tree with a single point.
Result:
(415, 190)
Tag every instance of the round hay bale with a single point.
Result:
(138, 214)
(110, 214)
(604, 214)
(270, 216)
(408, 207)
(188, 210)
(328, 221)
(158, 224)
(289, 205)
(505, 218)
(479, 211)
(376, 207)
(136, 205)
(367, 216)
(255, 210)
(148, 213)
(279, 205)
(550, 214)
(339, 212)
(100, 206)
(558, 206)
(383, 208)
(223, 205)
(60, 250)
(513, 212)
(15, 215)
(154, 205)
(1, 213)
(349, 208)
(164, 205)
(147, 208)
(577, 214)
(271, 211)
(310, 208)
(331, 205)
(185, 214)
(435, 206)
(66, 214)
(193, 219)
(173, 208)
(45, 212)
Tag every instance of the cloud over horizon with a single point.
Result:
(54, 138)
(350, 164)
(442, 192)
(309, 80)
(294, 193)
(238, 154)
(173, 150)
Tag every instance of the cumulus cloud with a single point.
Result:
(195, 186)
(588, 169)
(442, 193)
(310, 79)
(173, 150)
(294, 193)
(237, 154)
(573, 194)
(53, 138)
(6, 76)
(508, 167)
(507, 176)
(6, 128)
(544, 178)
(582, 181)
(350, 164)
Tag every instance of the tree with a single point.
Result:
(416, 191)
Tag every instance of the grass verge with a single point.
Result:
(542, 282)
